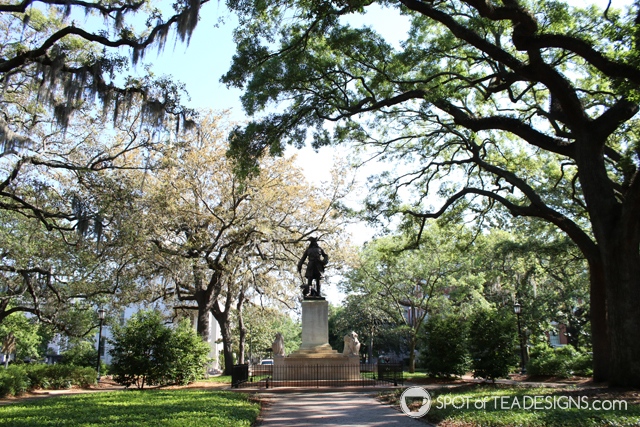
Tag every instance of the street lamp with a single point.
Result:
(517, 309)
(250, 346)
(101, 313)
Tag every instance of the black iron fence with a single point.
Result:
(317, 375)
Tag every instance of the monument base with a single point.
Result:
(311, 365)
(315, 360)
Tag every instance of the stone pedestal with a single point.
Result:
(315, 324)
(316, 360)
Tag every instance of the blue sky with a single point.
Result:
(201, 64)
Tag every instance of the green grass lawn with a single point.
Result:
(489, 406)
(158, 408)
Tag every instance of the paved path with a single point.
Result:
(331, 409)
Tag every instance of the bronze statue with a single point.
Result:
(318, 259)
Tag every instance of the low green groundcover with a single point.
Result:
(158, 408)
(506, 406)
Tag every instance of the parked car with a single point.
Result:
(265, 367)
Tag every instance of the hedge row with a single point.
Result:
(562, 362)
(18, 379)
(484, 343)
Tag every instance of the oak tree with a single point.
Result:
(64, 79)
(68, 240)
(220, 240)
(406, 285)
(528, 105)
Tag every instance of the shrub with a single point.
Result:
(82, 353)
(83, 376)
(13, 381)
(583, 365)
(563, 361)
(60, 376)
(18, 379)
(39, 376)
(147, 352)
(138, 348)
(189, 357)
(445, 352)
(492, 340)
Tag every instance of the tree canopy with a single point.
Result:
(65, 219)
(70, 114)
(527, 105)
(217, 241)
(64, 54)
(64, 70)
(407, 286)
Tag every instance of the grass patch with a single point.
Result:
(500, 406)
(158, 408)
(412, 376)
(416, 374)
(223, 379)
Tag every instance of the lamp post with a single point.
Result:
(250, 345)
(101, 313)
(517, 309)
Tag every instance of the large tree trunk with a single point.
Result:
(616, 228)
(204, 297)
(222, 317)
(203, 327)
(412, 352)
(241, 344)
(598, 317)
(227, 350)
(622, 270)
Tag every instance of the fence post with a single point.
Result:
(239, 374)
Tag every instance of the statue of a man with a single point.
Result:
(318, 259)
